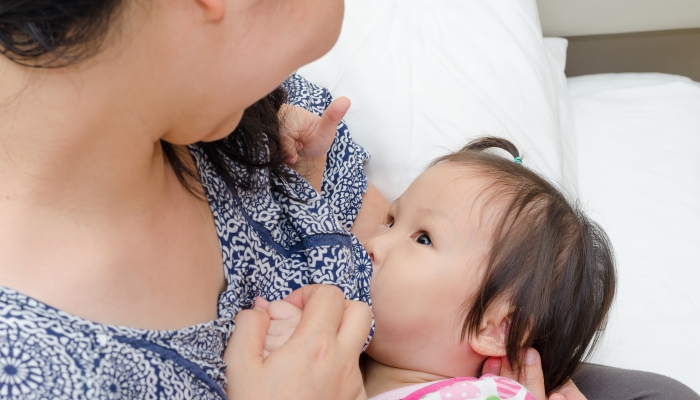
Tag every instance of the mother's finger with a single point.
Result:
(492, 366)
(532, 376)
(568, 392)
(245, 347)
(323, 307)
(355, 325)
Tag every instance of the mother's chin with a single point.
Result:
(208, 131)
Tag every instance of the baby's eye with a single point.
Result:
(389, 221)
(391, 224)
(424, 239)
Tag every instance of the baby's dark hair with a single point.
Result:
(553, 263)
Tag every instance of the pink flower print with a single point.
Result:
(506, 388)
(460, 390)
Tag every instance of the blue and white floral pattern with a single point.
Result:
(271, 245)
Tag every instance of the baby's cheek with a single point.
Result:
(395, 327)
(393, 343)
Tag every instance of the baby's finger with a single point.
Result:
(296, 298)
(273, 343)
(333, 114)
(282, 327)
(262, 303)
(282, 310)
(289, 150)
(355, 325)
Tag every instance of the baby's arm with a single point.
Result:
(373, 213)
(284, 318)
(306, 138)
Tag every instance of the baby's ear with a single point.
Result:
(490, 339)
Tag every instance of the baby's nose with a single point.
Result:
(372, 247)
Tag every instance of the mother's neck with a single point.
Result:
(84, 137)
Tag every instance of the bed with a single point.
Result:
(638, 138)
(426, 76)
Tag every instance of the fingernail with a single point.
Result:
(495, 367)
(259, 309)
(530, 357)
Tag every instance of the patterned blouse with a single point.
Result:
(271, 245)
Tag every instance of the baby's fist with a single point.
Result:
(284, 318)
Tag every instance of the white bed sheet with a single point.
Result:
(638, 138)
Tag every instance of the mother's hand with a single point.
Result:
(320, 360)
(531, 377)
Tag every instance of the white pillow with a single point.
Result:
(639, 176)
(425, 77)
(556, 52)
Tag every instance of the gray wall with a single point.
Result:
(595, 17)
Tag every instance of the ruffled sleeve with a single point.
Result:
(344, 180)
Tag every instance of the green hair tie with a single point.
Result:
(518, 160)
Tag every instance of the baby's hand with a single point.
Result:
(284, 318)
(306, 138)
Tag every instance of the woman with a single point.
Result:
(95, 218)
(113, 233)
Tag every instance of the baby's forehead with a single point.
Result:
(455, 191)
(454, 182)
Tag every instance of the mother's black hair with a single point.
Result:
(56, 34)
(552, 263)
(52, 34)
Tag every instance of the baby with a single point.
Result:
(479, 258)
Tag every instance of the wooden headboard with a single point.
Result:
(672, 52)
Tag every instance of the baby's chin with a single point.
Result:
(369, 350)
(383, 354)
(459, 360)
